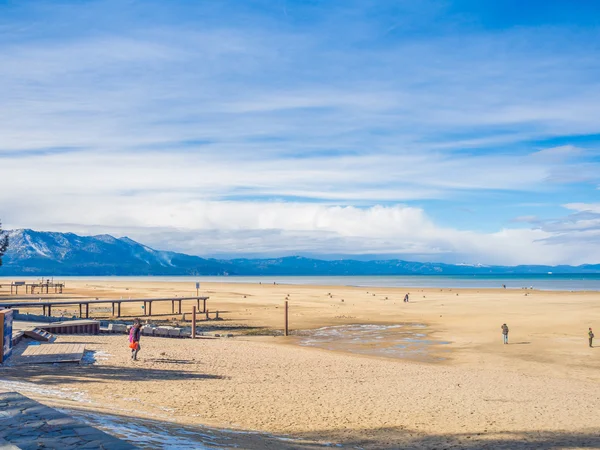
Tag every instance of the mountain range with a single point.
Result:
(62, 254)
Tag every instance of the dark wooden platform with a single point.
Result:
(63, 327)
(49, 354)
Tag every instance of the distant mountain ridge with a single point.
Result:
(55, 254)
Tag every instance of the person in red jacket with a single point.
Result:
(134, 339)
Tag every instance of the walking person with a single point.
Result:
(134, 339)
(504, 328)
(406, 298)
(591, 336)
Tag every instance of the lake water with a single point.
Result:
(546, 282)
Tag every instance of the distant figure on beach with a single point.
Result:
(591, 336)
(134, 339)
(504, 286)
(505, 333)
(406, 298)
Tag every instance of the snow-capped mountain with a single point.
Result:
(48, 254)
(35, 252)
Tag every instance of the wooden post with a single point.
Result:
(87, 310)
(286, 330)
(149, 308)
(80, 312)
(119, 309)
(206, 311)
(194, 322)
(113, 309)
(49, 310)
(172, 306)
(204, 305)
(179, 307)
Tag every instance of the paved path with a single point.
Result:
(29, 425)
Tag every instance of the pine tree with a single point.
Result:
(3, 242)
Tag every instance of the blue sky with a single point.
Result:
(456, 131)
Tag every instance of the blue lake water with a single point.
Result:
(547, 282)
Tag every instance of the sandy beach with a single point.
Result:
(466, 389)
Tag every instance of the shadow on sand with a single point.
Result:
(398, 438)
(51, 375)
(161, 434)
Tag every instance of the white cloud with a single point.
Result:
(278, 228)
(584, 207)
(217, 132)
(557, 154)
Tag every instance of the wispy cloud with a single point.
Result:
(253, 128)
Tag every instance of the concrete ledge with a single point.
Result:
(27, 425)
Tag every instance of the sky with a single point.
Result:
(452, 131)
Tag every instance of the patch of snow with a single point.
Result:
(31, 388)
(40, 249)
(95, 357)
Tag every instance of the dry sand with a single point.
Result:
(541, 391)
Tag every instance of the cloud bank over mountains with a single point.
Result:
(311, 129)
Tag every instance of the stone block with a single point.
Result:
(162, 331)
(148, 330)
(175, 332)
(117, 328)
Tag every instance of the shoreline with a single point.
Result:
(536, 282)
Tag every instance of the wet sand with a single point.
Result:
(541, 390)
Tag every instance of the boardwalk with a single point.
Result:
(47, 304)
(26, 424)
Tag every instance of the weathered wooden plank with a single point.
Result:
(51, 353)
